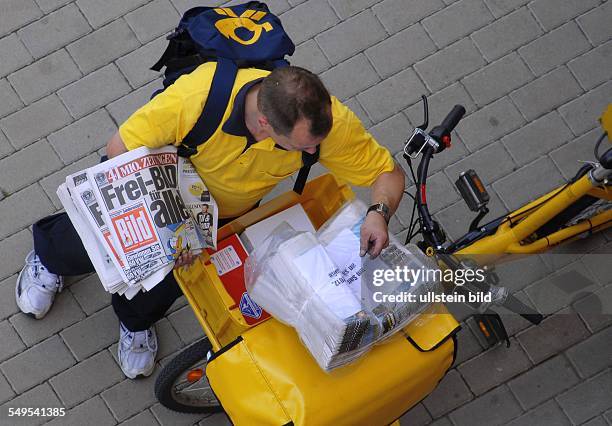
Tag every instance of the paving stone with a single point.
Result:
(168, 341)
(506, 34)
(10, 100)
(528, 182)
(584, 401)
(442, 421)
(103, 46)
(14, 250)
(582, 113)
(537, 138)
(450, 64)
(566, 285)
(554, 334)
(277, 6)
(310, 56)
(92, 334)
(6, 392)
(396, 15)
(489, 124)
(308, 19)
(440, 193)
(19, 210)
(596, 24)
(362, 77)
(11, 343)
(416, 416)
(596, 308)
(183, 5)
(608, 416)
(5, 149)
(597, 265)
(552, 13)
(400, 51)
(25, 167)
(135, 65)
(65, 312)
(54, 31)
(346, 8)
(500, 8)
(49, 115)
(44, 76)
(543, 382)
(86, 379)
(129, 397)
(94, 90)
(467, 347)
(8, 306)
(516, 272)
(50, 5)
(218, 419)
(98, 13)
(92, 412)
(40, 396)
(493, 408)
(594, 67)
(37, 364)
(392, 132)
(348, 38)
(554, 48)
(491, 163)
(186, 325)
(451, 392)
(460, 19)
(90, 294)
(596, 421)
(152, 20)
(500, 363)
(391, 95)
(121, 109)
(17, 13)
(497, 79)
(547, 413)
(440, 104)
(354, 105)
(83, 136)
(593, 354)
(544, 94)
(53, 181)
(146, 418)
(14, 54)
(167, 417)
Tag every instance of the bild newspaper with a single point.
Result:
(136, 213)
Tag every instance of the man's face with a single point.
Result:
(299, 139)
(204, 209)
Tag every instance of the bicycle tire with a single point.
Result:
(184, 361)
(584, 207)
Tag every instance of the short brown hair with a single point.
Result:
(290, 93)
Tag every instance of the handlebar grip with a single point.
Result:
(518, 307)
(453, 118)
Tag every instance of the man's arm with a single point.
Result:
(388, 188)
(115, 146)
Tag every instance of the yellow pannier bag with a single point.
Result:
(267, 377)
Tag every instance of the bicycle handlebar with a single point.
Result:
(453, 118)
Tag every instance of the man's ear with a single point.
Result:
(263, 122)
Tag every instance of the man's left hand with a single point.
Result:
(374, 235)
(186, 258)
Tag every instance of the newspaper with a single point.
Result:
(136, 213)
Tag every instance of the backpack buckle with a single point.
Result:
(186, 151)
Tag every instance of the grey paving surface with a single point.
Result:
(533, 74)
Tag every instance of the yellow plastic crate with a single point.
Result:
(214, 308)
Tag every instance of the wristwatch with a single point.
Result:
(381, 208)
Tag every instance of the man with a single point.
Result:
(270, 119)
(204, 219)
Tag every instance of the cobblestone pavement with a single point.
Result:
(533, 75)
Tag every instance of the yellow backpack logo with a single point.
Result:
(248, 19)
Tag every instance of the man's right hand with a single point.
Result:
(115, 146)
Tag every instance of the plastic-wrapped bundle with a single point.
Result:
(322, 287)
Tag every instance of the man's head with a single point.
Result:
(204, 208)
(295, 108)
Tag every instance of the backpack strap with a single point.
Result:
(214, 108)
(308, 160)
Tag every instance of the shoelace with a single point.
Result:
(37, 269)
(132, 338)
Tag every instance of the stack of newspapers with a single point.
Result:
(136, 213)
(318, 284)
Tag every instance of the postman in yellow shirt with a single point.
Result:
(239, 178)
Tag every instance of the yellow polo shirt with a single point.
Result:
(237, 179)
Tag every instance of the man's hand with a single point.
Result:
(186, 258)
(374, 235)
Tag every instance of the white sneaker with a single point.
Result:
(136, 351)
(36, 287)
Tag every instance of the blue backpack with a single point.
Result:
(242, 36)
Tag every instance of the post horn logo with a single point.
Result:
(248, 19)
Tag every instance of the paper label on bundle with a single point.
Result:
(248, 307)
(226, 260)
(344, 252)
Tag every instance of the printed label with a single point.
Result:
(225, 260)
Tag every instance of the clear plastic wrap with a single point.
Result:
(319, 285)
